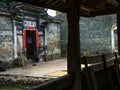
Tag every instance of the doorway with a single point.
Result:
(31, 44)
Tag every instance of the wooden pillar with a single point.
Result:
(73, 48)
(118, 29)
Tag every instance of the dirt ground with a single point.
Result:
(44, 69)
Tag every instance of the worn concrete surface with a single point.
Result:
(40, 70)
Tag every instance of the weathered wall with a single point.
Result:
(95, 34)
(53, 39)
(6, 39)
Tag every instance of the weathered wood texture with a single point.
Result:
(61, 83)
(103, 78)
(88, 8)
(106, 77)
(95, 58)
(106, 73)
(73, 48)
(116, 62)
(90, 76)
(97, 63)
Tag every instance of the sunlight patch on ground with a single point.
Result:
(57, 73)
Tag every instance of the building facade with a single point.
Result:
(27, 35)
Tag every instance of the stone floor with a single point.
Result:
(39, 70)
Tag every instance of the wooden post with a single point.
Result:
(73, 48)
(116, 61)
(118, 29)
(106, 74)
(90, 76)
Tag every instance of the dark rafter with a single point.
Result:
(88, 8)
(113, 2)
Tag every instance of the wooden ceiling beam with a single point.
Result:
(41, 5)
(40, 1)
(93, 10)
(64, 1)
(60, 4)
(55, 2)
(49, 1)
(100, 13)
(86, 8)
(99, 4)
(113, 2)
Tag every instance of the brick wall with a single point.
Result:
(95, 34)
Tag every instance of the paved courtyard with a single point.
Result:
(43, 69)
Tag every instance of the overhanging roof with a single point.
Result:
(88, 8)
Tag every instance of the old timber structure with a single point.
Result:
(73, 81)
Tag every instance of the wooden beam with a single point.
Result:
(60, 4)
(40, 4)
(40, 1)
(113, 2)
(86, 8)
(64, 1)
(118, 29)
(84, 0)
(73, 48)
(116, 62)
(49, 1)
(104, 12)
(55, 2)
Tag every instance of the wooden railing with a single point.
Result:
(102, 75)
